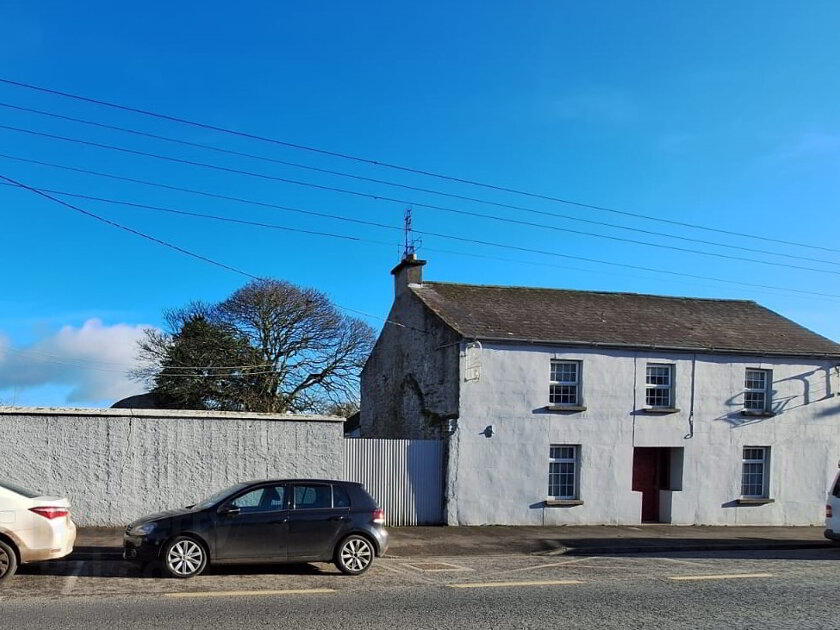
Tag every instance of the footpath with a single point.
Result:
(105, 543)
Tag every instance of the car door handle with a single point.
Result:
(340, 518)
(282, 521)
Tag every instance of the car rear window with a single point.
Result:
(836, 492)
(29, 494)
(361, 497)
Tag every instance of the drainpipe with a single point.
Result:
(690, 433)
(635, 408)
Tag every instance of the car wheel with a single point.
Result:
(8, 562)
(354, 555)
(184, 557)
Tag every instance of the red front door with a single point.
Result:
(647, 474)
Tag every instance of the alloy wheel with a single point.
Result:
(185, 557)
(4, 562)
(356, 554)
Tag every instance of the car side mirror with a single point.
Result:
(229, 510)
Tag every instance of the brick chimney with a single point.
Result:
(409, 271)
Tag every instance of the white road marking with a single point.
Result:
(731, 576)
(511, 584)
(414, 575)
(676, 561)
(72, 578)
(439, 567)
(291, 591)
(541, 566)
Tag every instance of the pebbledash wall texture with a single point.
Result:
(503, 478)
(118, 464)
(517, 457)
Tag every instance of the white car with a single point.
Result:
(832, 512)
(33, 527)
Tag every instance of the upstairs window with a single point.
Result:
(757, 393)
(659, 385)
(564, 384)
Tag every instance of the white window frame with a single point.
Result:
(669, 387)
(767, 390)
(575, 461)
(764, 462)
(576, 383)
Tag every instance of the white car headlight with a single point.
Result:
(142, 530)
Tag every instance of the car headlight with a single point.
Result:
(142, 530)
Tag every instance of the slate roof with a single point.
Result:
(560, 316)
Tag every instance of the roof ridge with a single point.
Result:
(648, 295)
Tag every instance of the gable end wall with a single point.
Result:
(411, 381)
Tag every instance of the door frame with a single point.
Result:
(660, 460)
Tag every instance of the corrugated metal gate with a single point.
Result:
(404, 476)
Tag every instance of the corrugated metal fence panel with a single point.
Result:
(404, 476)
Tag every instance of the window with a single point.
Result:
(659, 385)
(757, 394)
(313, 497)
(8, 485)
(564, 386)
(265, 499)
(562, 471)
(756, 461)
(340, 497)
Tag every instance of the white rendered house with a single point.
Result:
(577, 407)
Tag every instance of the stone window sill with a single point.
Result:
(754, 413)
(565, 408)
(660, 410)
(743, 501)
(562, 502)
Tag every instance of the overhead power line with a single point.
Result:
(178, 249)
(329, 234)
(398, 167)
(47, 355)
(260, 224)
(384, 182)
(119, 226)
(413, 203)
(93, 364)
(479, 242)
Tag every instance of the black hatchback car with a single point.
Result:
(296, 520)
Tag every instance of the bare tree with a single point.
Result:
(300, 352)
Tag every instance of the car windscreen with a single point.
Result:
(8, 485)
(219, 496)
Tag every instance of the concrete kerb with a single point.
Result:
(103, 544)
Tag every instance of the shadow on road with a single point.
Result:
(691, 547)
(109, 565)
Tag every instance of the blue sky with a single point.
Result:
(720, 114)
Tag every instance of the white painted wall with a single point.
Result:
(116, 465)
(503, 479)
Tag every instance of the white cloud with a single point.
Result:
(93, 360)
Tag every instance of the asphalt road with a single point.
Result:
(781, 589)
